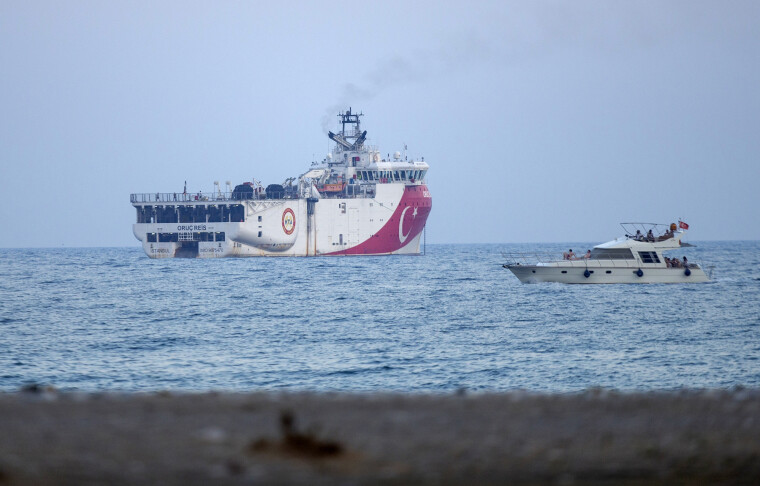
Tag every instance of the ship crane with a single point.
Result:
(340, 140)
(360, 140)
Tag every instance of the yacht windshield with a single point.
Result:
(611, 254)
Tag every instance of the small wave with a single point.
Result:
(357, 371)
(118, 265)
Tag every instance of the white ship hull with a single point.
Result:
(354, 202)
(392, 222)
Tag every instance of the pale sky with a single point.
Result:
(541, 121)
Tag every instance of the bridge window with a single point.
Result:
(151, 237)
(219, 236)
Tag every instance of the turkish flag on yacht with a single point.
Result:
(683, 225)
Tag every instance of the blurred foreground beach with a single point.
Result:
(594, 437)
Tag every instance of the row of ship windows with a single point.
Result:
(191, 214)
(390, 175)
(173, 237)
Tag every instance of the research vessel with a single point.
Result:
(636, 257)
(353, 202)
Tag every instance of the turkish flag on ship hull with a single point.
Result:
(683, 225)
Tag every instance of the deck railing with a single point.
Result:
(174, 197)
(533, 258)
(350, 192)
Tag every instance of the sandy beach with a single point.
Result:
(593, 437)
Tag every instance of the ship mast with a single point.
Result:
(343, 139)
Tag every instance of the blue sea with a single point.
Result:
(111, 319)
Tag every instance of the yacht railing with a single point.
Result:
(531, 258)
(542, 258)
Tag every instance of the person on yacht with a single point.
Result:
(587, 255)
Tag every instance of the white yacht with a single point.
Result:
(636, 257)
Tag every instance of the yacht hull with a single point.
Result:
(605, 275)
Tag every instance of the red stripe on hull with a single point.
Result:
(406, 223)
